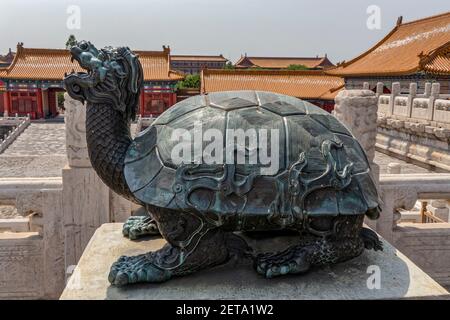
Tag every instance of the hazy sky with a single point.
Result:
(230, 27)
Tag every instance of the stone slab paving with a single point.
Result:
(40, 151)
(39, 139)
(407, 168)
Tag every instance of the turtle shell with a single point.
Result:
(316, 166)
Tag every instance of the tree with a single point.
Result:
(191, 81)
(60, 97)
(297, 67)
(71, 41)
(229, 66)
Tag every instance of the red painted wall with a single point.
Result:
(24, 103)
(156, 103)
(52, 103)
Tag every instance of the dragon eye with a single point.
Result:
(83, 46)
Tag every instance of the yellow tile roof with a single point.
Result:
(401, 51)
(301, 84)
(156, 66)
(437, 62)
(282, 62)
(51, 64)
(186, 57)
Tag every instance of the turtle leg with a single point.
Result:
(371, 240)
(140, 225)
(313, 250)
(184, 253)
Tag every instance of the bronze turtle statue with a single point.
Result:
(274, 163)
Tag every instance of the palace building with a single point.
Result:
(193, 64)
(313, 86)
(5, 60)
(30, 85)
(413, 52)
(278, 63)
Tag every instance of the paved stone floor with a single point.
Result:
(40, 151)
(383, 160)
(39, 139)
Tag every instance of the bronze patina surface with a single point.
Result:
(321, 188)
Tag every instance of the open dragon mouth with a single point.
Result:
(112, 76)
(88, 57)
(74, 83)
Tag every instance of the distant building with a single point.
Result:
(31, 83)
(277, 63)
(313, 86)
(193, 64)
(413, 52)
(6, 60)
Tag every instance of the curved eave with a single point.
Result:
(362, 55)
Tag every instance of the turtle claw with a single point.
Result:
(139, 226)
(290, 261)
(371, 240)
(135, 269)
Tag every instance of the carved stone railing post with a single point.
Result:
(75, 118)
(394, 197)
(394, 92)
(357, 109)
(435, 89)
(380, 87)
(427, 90)
(87, 201)
(412, 94)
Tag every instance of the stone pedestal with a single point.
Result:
(399, 277)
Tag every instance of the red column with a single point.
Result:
(40, 109)
(142, 103)
(174, 99)
(7, 102)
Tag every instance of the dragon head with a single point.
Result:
(113, 77)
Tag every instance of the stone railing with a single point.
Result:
(428, 106)
(401, 191)
(32, 256)
(427, 244)
(21, 122)
(10, 188)
(415, 126)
